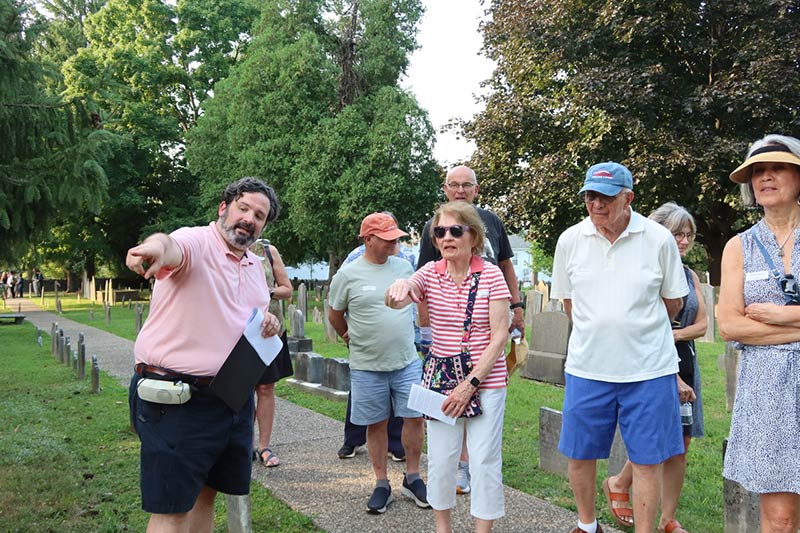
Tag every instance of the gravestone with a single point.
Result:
(317, 316)
(550, 459)
(107, 308)
(297, 340)
(95, 375)
(533, 306)
(302, 299)
(91, 315)
(67, 352)
(139, 311)
(742, 508)
(548, 349)
(81, 357)
(330, 332)
(337, 374)
(310, 367)
(709, 299)
(732, 356)
(318, 292)
(554, 306)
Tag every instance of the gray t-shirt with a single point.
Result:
(381, 339)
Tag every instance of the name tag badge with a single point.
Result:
(366, 288)
(756, 276)
(484, 293)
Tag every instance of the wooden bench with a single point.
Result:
(18, 318)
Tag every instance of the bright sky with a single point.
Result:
(446, 71)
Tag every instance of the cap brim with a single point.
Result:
(391, 234)
(742, 172)
(603, 188)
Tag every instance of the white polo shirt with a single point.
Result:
(620, 329)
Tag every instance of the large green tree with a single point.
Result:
(52, 150)
(675, 91)
(316, 110)
(149, 65)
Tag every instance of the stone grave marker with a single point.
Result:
(107, 308)
(302, 299)
(708, 292)
(732, 356)
(554, 306)
(533, 305)
(548, 349)
(95, 375)
(330, 332)
(297, 341)
(742, 508)
(317, 316)
(139, 312)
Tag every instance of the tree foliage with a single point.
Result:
(674, 91)
(315, 109)
(52, 152)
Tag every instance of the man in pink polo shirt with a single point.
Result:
(206, 287)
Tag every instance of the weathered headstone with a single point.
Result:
(107, 308)
(139, 311)
(302, 299)
(81, 358)
(310, 367)
(53, 335)
(67, 352)
(330, 332)
(239, 514)
(554, 306)
(318, 292)
(91, 315)
(742, 508)
(533, 305)
(709, 299)
(550, 459)
(337, 374)
(548, 349)
(317, 316)
(297, 340)
(732, 356)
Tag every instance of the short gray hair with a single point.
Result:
(673, 217)
(746, 189)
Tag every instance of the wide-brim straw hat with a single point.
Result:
(771, 153)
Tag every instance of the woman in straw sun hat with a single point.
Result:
(759, 308)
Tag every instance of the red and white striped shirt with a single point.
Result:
(447, 305)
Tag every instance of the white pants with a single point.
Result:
(485, 445)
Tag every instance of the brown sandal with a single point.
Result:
(623, 516)
(673, 526)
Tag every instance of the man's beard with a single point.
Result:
(240, 242)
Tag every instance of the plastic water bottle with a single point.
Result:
(686, 414)
(516, 335)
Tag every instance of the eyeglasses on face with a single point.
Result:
(591, 196)
(456, 231)
(680, 235)
(454, 186)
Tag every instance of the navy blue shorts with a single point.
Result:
(187, 446)
(647, 411)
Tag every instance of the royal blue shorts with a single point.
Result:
(187, 446)
(648, 413)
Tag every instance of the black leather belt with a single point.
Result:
(156, 372)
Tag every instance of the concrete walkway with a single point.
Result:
(312, 480)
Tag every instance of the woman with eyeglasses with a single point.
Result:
(758, 309)
(467, 299)
(688, 325)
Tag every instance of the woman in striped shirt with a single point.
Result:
(444, 286)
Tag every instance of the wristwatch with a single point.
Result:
(520, 304)
(474, 381)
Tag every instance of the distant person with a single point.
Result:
(38, 280)
(383, 361)
(621, 281)
(207, 286)
(461, 185)
(11, 284)
(467, 299)
(689, 324)
(280, 288)
(20, 284)
(759, 309)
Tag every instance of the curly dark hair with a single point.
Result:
(235, 190)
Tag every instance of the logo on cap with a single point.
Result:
(603, 174)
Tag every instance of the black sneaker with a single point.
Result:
(346, 452)
(416, 491)
(379, 501)
(397, 457)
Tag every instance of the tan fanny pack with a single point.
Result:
(164, 392)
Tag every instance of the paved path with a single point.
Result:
(312, 480)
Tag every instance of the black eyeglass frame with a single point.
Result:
(456, 230)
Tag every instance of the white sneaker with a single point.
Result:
(462, 478)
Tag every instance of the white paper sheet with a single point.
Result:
(429, 403)
(267, 348)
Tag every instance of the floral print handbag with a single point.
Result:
(443, 374)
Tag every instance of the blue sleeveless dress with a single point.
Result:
(764, 445)
(688, 315)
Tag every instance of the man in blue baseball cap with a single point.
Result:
(619, 275)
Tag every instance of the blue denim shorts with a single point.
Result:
(373, 393)
(647, 411)
(184, 447)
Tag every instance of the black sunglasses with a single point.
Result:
(791, 292)
(457, 231)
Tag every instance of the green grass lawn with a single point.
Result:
(701, 506)
(69, 460)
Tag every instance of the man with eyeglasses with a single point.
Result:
(461, 185)
(619, 275)
(383, 360)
